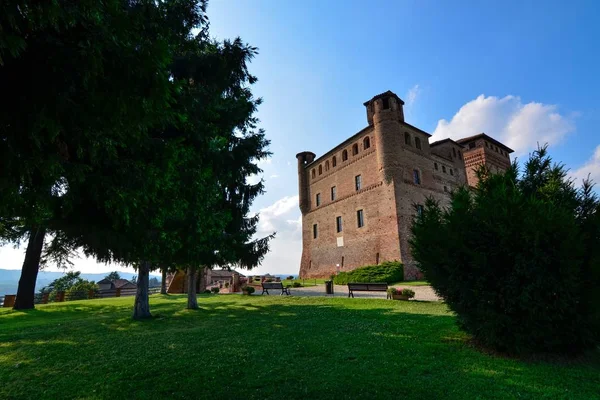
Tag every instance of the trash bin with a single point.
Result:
(329, 287)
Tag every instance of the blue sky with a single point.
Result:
(523, 72)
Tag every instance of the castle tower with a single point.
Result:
(304, 158)
(385, 113)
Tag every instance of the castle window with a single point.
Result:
(354, 149)
(486, 144)
(342, 261)
(496, 149)
(326, 165)
(454, 152)
(315, 231)
(471, 145)
(451, 171)
(320, 169)
(358, 182)
(407, 138)
(435, 166)
(333, 193)
(377, 259)
(386, 103)
(344, 155)
(314, 173)
(445, 188)
(318, 199)
(420, 209)
(443, 168)
(334, 161)
(418, 143)
(366, 143)
(338, 224)
(360, 219)
(460, 155)
(416, 177)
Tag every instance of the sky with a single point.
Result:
(524, 72)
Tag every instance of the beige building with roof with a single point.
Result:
(358, 200)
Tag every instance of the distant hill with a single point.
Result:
(9, 278)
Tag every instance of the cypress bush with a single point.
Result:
(388, 272)
(517, 258)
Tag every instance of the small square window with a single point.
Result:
(360, 219)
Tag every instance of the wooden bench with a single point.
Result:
(366, 287)
(274, 286)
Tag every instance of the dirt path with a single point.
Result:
(425, 293)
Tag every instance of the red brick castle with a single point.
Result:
(357, 199)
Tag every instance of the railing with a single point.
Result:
(57, 297)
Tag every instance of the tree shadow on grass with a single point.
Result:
(273, 347)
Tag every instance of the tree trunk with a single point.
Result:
(192, 278)
(141, 307)
(29, 272)
(163, 282)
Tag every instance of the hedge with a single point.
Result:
(388, 272)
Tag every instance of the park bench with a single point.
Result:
(366, 287)
(274, 286)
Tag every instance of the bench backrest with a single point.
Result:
(272, 285)
(368, 287)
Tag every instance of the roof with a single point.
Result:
(484, 136)
(343, 144)
(223, 273)
(104, 281)
(444, 141)
(384, 94)
(121, 282)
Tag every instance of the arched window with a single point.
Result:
(354, 149)
(326, 165)
(334, 161)
(385, 103)
(366, 143)
(344, 155)
(320, 169)
(314, 173)
(418, 143)
(407, 138)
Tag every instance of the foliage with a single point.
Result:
(290, 278)
(388, 272)
(215, 290)
(226, 284)
(269, 280)
(113, 276)
(317, 334)
(71, 283)
(401, 292)
(517, 258)
(248, 289)
(296, 284)
(153, 282)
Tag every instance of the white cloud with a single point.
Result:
(519, 126)
(282, 217)
(412, 94)
(591, 168)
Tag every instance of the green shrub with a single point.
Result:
(206, 291)
(248, 289)
(290, 278)
(517, 259)
(215, 290)
(388, 272)
(296, 284)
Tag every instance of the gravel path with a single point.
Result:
(424, 293)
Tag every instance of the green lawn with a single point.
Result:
(266, 347)
(411, 283)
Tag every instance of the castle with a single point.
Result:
(358, 199)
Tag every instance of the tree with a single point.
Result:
(113, 276)
(104, 83)
(517, 258)
(71, 283)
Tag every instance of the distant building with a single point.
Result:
(358, 200)
(176, 282)
(106, 284)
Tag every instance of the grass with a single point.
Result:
(411, 283)
(304, 282)
(266, 347)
